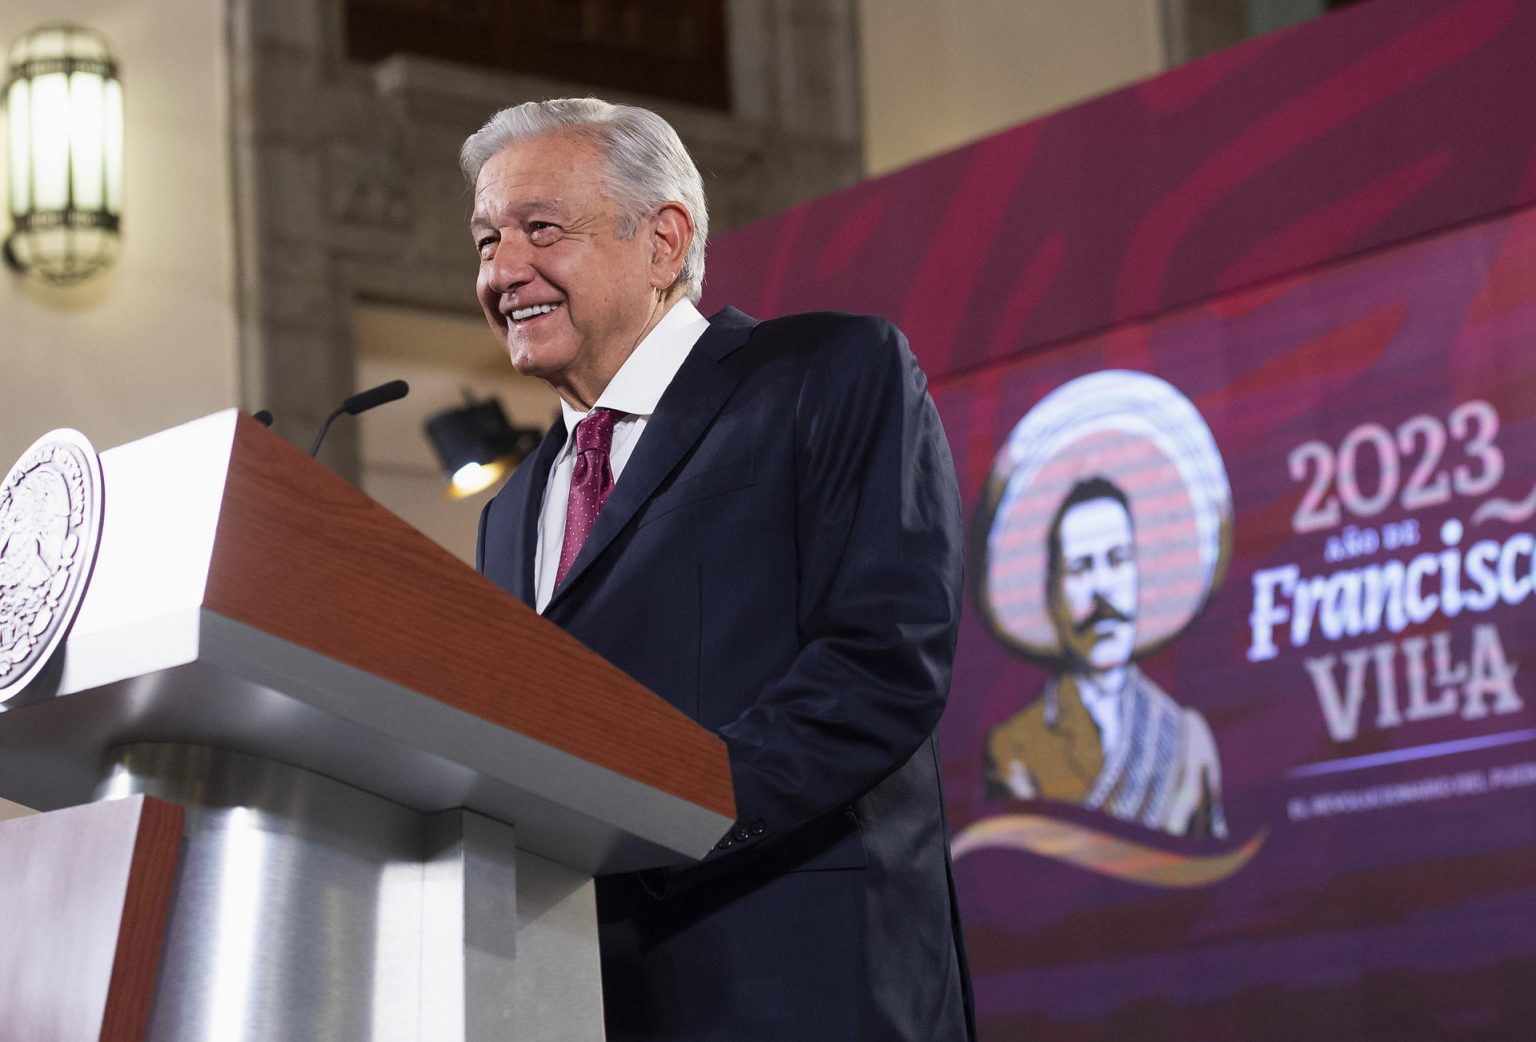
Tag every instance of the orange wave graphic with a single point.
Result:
(1100, 852)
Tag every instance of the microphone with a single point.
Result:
(362, 401)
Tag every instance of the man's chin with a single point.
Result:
(524, 365)
(532, 361)
(1107, 655)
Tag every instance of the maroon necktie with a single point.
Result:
(591, 481)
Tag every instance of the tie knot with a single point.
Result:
(595, 431)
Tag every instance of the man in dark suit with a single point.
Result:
(759, 522)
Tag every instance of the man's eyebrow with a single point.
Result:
(526, 208)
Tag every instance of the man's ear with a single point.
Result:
(671, 235)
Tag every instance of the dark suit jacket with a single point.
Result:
(781, 560)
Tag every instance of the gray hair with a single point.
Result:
(647, 164)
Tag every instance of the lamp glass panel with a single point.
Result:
(87, 126)
(52, 245)
(21, 249)
(113, 114)
(52, 42)
(92, 244)
(18, 120)
(41, 249)
(50, 141)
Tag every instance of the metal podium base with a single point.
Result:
(309, 909)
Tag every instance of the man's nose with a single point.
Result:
(1106, 579)
(510, 265)
(1101, 575)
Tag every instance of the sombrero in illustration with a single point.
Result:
(1141, 434)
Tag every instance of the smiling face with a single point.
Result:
(1093, 599)
(565, 295)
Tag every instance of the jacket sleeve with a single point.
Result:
(879, 580)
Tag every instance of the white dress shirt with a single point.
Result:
(634, 390)
(1105, 708)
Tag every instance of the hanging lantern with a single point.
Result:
(64, 148)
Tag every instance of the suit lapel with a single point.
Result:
(525, 525)
(685, 411)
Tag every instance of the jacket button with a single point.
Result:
(725, 844)
(758, 826)
(742, 833)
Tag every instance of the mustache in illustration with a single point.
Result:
(1102, 611)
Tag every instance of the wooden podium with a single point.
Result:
(394, 782)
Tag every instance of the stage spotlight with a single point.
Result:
(477, 445)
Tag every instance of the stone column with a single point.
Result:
(295, 349)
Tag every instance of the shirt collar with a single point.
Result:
(643, 378)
